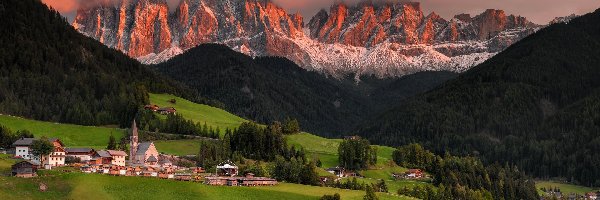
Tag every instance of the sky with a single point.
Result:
(537, 11)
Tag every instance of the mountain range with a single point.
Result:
(535, 105)
(383, 39)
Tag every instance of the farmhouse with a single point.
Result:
(337, 171)
(25, 169)
(167, 111)
(56, 158)
(413, 174)
(153, 108)
(84, 154)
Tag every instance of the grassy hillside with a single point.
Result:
(71, 135)
(82, 186)
(212, 116)
(178, 147)
(564, 188)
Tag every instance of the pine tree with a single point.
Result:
(370, 194)
(112, 143)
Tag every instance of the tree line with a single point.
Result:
(357, 154)
(464, 177)
(175, 124)
(50, 72)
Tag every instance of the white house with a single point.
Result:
(56, 158)
(23, 148)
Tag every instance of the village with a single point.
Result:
(143, 160)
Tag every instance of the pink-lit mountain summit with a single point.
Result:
(384, 39)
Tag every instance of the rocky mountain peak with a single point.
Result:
(385, 38)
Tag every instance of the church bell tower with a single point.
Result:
(133, 142)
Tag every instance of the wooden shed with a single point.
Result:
(25, 169)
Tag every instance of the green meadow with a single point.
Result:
(75, 185)
(564, 187)
(71, 135)
(213, 117)
(178, 147)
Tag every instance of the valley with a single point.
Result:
(205, 99)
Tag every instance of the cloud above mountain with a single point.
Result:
(538, 11)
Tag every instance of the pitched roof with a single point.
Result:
(31, 162)
(78, 150)
(117, 153)
(143, 147)
(56, 140)
(104, 154)
(24, 142)
(152, 159)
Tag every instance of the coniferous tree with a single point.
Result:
(112, 143)
(370, 194)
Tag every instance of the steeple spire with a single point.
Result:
(133, 142)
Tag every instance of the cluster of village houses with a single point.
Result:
(143, 160)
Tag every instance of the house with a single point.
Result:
(25, 169)
(413, 174)
(141, 153)
(153, 108)
(337, 171)
(118, 157)
(183, 177)
(104, 157)
(23, 148)
(84, 154)
(197, 170)
(227, 168)
(353, 137)
(167, 111)
(57, 157)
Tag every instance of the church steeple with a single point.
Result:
(133, 142)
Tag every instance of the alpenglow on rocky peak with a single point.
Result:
(384, 39)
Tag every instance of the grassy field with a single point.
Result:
(71, 135)
(178, 147)
(85, 186)
(213, 117)
(564, 187)
(393, 185)
(315, 146)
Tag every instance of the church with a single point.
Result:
(141, 154)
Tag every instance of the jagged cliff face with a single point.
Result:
(369, 24)
(385, 39)
(145, 27)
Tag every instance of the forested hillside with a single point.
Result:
(50, 72)
(270, 88)
(535, 105)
